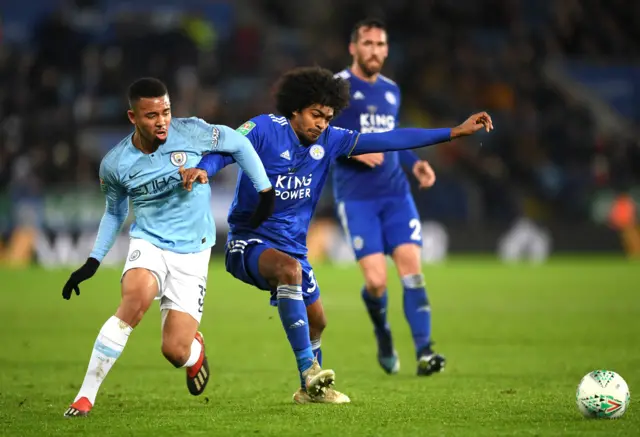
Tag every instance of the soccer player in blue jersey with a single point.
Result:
(375, 205)
(171, 236)
(297, 149)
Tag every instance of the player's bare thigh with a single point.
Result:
(374, 270)
(278, 268)
(139, 288)
(407, 258)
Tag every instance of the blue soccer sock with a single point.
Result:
(417, 311)
(317, 350)
(377, 308)
(293, 314)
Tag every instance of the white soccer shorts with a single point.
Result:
(181, 277)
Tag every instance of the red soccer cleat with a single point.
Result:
(198, 374)
(79, 408)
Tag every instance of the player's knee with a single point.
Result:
(176, 352)
(316, 329)
(316, 326)
(132, 310)
(289, 271)
(376, 285)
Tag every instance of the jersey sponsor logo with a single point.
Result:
(391, 98)
(246, 128)
(162, 184)
(290, 187)
(376, 123)
(178, 158)
(317, 152)
(358, 95)
(133, 175)
(286, 155)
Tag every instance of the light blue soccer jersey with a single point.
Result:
(166, 215)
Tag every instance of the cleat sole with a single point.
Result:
(320, 382)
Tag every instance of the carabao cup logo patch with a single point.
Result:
(178, 158)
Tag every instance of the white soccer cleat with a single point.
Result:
(318, 380)
(330, 396)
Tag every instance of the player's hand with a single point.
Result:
(370, 159)
(473, 124)
(424, 174)
(82, 274)
(191, 175)
(265, 207)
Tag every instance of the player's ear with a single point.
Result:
(352, 49)
(132, 116)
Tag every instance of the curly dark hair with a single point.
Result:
(302, 87)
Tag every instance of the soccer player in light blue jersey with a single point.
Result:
(375, 205)
(171, 236)
(297, 149)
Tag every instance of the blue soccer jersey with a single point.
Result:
(166, 215)
(374, 107)
(297, 173)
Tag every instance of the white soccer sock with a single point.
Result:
(108, 346)
(315, 345)
(196, 350)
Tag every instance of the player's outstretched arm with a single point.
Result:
(116, 211)
(245, 155)
(413, 138)
(209, 165)
(247, 158)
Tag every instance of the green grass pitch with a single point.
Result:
(517, 338)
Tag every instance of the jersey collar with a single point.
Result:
(363, 81)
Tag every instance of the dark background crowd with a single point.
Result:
(65, 66)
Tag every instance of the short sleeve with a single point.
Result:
(252, 130)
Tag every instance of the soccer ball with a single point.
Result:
(603, 394)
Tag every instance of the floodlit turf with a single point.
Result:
(518, 340)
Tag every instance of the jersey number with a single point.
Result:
(417, 227)
(203, 291)
(312, 282)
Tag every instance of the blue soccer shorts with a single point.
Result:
(241, 260)
(380, 225)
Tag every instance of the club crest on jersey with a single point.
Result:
(358, 242)
(391, 98)
(317, 152)
(178, 158)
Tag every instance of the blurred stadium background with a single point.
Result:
(560, 174)
(561, 79)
